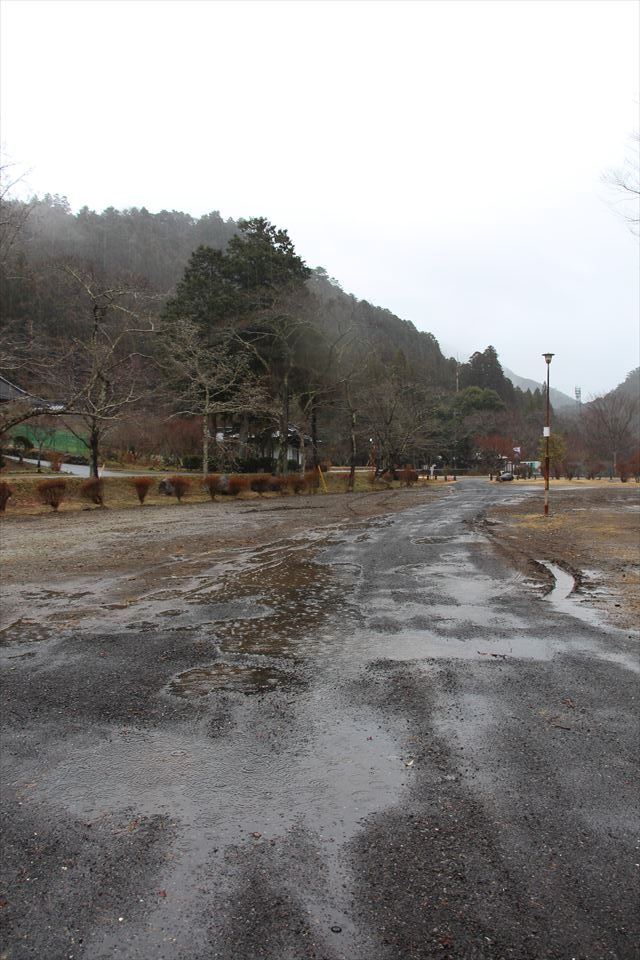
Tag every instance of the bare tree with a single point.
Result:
(399, 414)
(209, 379)
(624, 182)
(13, 213)
(274, 338)
(102, 370)
(608, 425)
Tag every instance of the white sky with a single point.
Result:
(440, 159)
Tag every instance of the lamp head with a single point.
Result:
(548, 356)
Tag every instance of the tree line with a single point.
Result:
(208, 340)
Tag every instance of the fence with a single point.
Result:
(58, 441)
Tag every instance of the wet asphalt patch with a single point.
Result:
(436, 763)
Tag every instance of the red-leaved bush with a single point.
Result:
(211, 483)
(237, 485)
(180, 486)
(297, 483)
(93, 490)
(5, 493)
(142, 485)
(312, 479)
(408, 476)
(52, 492)
(261, 483)
(277, 484)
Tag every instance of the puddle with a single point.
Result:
(24, 631)
(297, 597)
(564, 582)
(236, 677)
(566, 601)
(432, 540)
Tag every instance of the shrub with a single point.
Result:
(312, 479)
(237, 485)
(142, 486)
(5, 493)
(297, 484)
(52, 492)
(260, 484)
(56, 460)
(180, 486)
(211, 483)
(325, 466)
(277, 484)
(408, 476)
(93, 490)
(192, 462)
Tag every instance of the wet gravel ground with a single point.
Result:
(372, 740)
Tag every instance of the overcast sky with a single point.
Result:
(440, 159)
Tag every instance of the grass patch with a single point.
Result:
(119, 493)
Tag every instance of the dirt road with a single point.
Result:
(324, 732)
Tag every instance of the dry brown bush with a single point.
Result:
(408, 476)
(142, 486)
(93, 490)
(261, 483)
(6, 491)
(211, 483)
(52, 492)
(313, 479)
(180, 485)
(277, 484)
(297, 483)
(237, 485)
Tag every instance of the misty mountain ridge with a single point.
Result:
(157, 247)
(559, 399)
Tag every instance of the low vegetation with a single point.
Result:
(93, 491)
(180, 486)
(142, 485)
(27, 492)
(211, 483)
(6, 492)
(52, 492)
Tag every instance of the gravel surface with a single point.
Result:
(349, 729)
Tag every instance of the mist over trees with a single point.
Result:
(209, 343)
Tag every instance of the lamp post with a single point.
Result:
(547, 434)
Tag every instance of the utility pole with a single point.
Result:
(547, 435)
(455, 422)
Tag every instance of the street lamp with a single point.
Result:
(547, 434)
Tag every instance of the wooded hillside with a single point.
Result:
(168, 336)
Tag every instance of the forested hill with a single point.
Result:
(156, 247)
(127, 320)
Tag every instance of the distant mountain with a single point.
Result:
(558, 398)
(630, 387)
